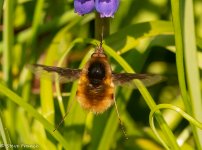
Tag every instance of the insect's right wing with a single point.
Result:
(122, 79)
(55, 73)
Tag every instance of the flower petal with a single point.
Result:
(106, 8)
(83, 6)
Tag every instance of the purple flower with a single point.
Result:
(84, 6)
(106, 8)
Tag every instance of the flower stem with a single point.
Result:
(7, 40)
(1, 9)
(102, 28)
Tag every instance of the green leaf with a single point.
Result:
(18, 100)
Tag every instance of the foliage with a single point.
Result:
(161, 37)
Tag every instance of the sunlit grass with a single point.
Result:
(50, 33)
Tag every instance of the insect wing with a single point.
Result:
(121, 79)
(55, 73)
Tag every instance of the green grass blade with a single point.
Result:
(179, 52)
(191, 64)
(4, 135)
(8, 47)
(178, 21)
(178, 110)
(8, 40)
(18, 100)
(61, 61)
(47, 101)
(36, 22)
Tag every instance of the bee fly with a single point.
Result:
(97, 81)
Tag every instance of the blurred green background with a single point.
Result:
(141, 33)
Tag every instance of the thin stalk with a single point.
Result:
(57, 85)
(32, 45)
(192, 69)
(8, 37)
(7, 40)
(4, 134)
(178, 21)
(36, 22)
(1, 8)
(102, 27)
(178, 110)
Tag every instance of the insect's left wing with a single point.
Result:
(64, 74)
(126, 79)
